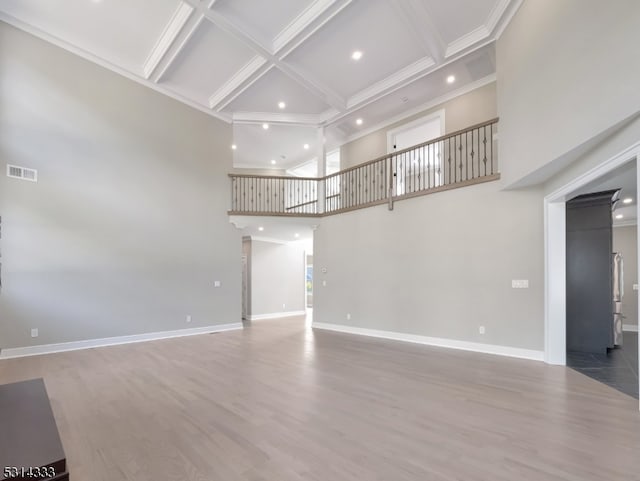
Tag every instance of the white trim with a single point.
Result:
(275, 118)
(630, 327)
(225, 94)
(467, 40)
(110, 66)
(391, 133)
(496, 14)
(189, 31)
(300, 24)
(555, 318)
(513, 8)
(436, 341)
(168, 36)
(14, 352)
(408, 74)
(422, 107)
(276, 315)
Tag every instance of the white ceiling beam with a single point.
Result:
(397, 80)
(421, 25)
(240, 81)
(134, 76)
(321, 91)
(306, 24)
(177, 48)
(275, 118)
(167, 38)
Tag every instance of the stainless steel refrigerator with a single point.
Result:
(618, 292)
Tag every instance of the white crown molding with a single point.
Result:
(507, 351)
(466, 41)
(276, 315)
(275, 118)
(491, 29)
(507, 16)
(399, 79)
(496, 14)
(168, 36)
(11, 353)
(228, 91)
(422, 107)
(630, 327)
(283, 42)
(109, 66)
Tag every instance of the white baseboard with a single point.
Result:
(630, 327)
(436, 341)
(14, 352)
(276, 315)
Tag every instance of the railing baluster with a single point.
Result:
(459, 157)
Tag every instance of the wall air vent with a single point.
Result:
(22, 173)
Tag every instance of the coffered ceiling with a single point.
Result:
(238, 59)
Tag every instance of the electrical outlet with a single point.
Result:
(34, 332)
(348, 316)
(635, 287)
(188, 317)
(481, 329)
(324, 283)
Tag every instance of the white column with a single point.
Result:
(321, 155)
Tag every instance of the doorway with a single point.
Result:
(556, 254)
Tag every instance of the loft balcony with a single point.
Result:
(455, 160)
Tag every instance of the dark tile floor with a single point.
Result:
(618, 368)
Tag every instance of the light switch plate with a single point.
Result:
(216, 283)
(635, 287)
(520, 284)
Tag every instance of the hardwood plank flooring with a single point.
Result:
(277, 401)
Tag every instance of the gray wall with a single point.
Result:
(126, 230)
(567, 71)
(439, 265)
(625, 241)
(461, 112)
(277, 278)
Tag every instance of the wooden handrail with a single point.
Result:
(408, 149)
(464, 157)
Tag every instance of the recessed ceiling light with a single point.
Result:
(260, 228)
(281, 105)
(273, 162)
(265, 126)
(619, 216)
(628, 200)
(359, 121)
(296, 235)
(306, 146)
(451, 79)
(357, 55)
(234, 146)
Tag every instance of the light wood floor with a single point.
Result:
(277, 402)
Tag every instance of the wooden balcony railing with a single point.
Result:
(458, 159)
